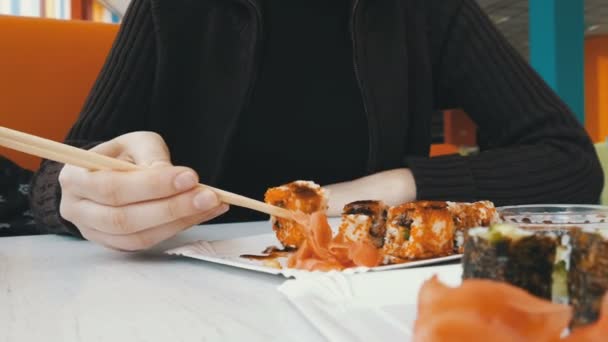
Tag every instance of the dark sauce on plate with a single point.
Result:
(270, 253)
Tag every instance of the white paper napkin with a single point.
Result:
(377, 306)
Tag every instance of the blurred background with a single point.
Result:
(566, 41)
(95, 10)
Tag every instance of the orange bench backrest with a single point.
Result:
(596, 86)
(47, 69)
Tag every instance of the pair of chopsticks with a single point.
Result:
(66, 154)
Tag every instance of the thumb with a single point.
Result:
(146, 149)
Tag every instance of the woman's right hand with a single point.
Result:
(135, 210)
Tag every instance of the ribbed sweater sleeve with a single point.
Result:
(533, 150)
(118, 101)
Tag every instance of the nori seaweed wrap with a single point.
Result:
(566, 266)
(588, 275)
(512, 255)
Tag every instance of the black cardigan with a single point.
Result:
(185, 69)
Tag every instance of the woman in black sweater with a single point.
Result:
(248, 94)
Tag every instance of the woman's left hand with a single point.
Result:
(394, 187)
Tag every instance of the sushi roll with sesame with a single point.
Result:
(588, 274)
(509, 254)
(364, 220)
(471, 215)
(303, 196)
(418, 230)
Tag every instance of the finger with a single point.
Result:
(141, 148)
(125, 220)
(151, 237)
(109, 148)
(121, 188)
(145, 148)
(66, 208)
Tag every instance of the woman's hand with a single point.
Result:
(135, 210)
(394, 187)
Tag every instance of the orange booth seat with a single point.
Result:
(47, 68)
(596, 86)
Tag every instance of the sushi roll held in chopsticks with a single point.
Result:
(364, 220)
(418, 230)
(303, 196)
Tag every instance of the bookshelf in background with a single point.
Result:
(94, 10)
(55, 9)
(60, 9)
(30, 8)
(102, 14)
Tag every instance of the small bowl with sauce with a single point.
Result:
(555, 216)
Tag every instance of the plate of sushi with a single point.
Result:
(543, 282)
(369, 235)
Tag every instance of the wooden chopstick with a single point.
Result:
(66, 154)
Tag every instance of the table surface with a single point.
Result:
(55, 288)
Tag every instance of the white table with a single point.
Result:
(55, 288)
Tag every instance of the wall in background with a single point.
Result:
(596, 75)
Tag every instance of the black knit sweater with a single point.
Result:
(187, 70)
(306, 48)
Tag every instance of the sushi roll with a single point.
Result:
(567, 265)
(418, 230)
(364, 220)
(471, 215)
(588, 274)
(561, 266)
(303, 196)
(512, 255)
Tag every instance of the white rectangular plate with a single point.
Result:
(365, 307)
(228, 252)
